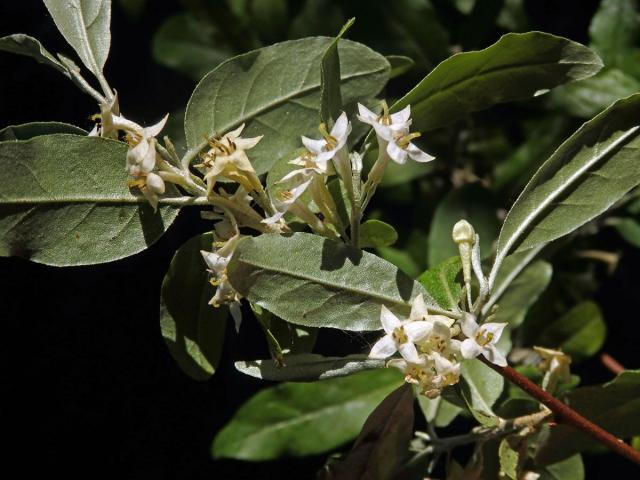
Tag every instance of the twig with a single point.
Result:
(611, 364)
(566, 414)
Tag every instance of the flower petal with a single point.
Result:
(418, 155)
(492, 354)
(155, 183)
(396, 153)
(418, 331)
(389, 321)
(383, 348)
(409, 352)
(470, 349)
(233, 134)
(313, 145)
(468, 324)
(495, 329)
(402, 116)
(155, 129)
(366, 116)
(236, 313)
(418, 308)
(341, 128)
(399, 363)
(247, 143)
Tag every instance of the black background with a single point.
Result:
(88, 386)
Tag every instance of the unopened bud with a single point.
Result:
(463, 232)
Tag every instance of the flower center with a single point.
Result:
(404, 140)
(385, 118)
(331, 141)
(399, 335)
(483, 337)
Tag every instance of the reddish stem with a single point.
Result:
(611, 364)
(566, 414)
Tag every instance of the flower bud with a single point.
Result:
(463, 232)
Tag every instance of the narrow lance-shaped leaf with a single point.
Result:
(278, 88)
(85, 25)
(312, 281)
(481, 387)
(192, 329)
(589, 172)
(308, 367)
(383, 444)
(580, 332)
(294, 419)
(65, 201)
(330, 96)
(518, 66)
(22, 44)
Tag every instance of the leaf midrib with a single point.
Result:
(443, 90)
(310, 416)
(325, 283)
(269, 106)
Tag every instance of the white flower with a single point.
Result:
(448, 370)
(225, 294)
(400, 147)
(284, 199)
(386, 125)
(438, 339)
(482, 339)
(400, 337)
(106, 127)
(227, 158)
(326, 148)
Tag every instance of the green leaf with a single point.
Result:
(614, 28)
(518, 287)
(36, 129)
(383, 444)
(614, 406)
(472, 203)
(512, 174)
(509, 459)
(294, 419)
(22, 44)
(85, 25)
(278, 88)
(399, 65)
(401, 259)
(376, 233)
(293, 339)
(580, 332)
(438, 411)
(330, 96)
(518, 66)
(188, 44)
(569, 469)
(589, 97)
(192, 329)
(308, 280)
(440, 282)
(308, 367)
(481, 386)
(629, 229)
(65, 201)
(589, 172)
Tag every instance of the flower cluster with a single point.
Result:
(430, 352)
(430, 356)
(142, 157)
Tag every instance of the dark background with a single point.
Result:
(88, 386)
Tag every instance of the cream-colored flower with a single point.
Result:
(387, 124)
(482, 340)
(227, 158)
(400, 336)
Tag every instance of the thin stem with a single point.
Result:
(84, 85)
(611, 364)
(566, 414)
